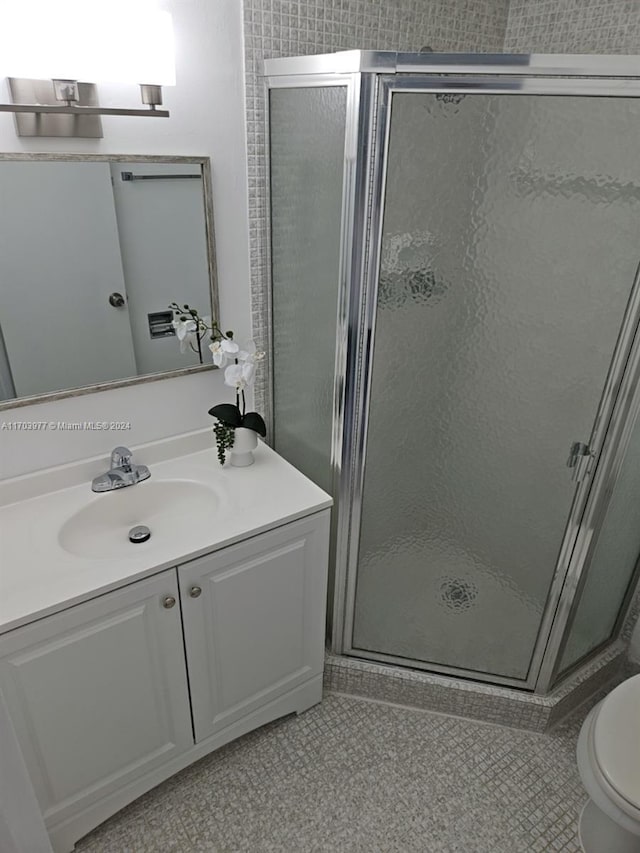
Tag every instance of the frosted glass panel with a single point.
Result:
(510, 241)
(614, 559)
(307, 156)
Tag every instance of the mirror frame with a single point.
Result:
(205, 164)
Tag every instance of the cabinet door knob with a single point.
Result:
(195, 591)
(168, 601)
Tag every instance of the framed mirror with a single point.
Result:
(93, 250)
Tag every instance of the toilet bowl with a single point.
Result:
(609, 766)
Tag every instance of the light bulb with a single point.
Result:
(119, 41)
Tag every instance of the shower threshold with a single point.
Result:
(505, 706)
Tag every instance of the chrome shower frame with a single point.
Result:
(371, 79)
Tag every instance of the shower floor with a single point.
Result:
(443, 608)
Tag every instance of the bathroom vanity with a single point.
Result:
(122, 663)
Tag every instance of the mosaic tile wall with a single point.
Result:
(573, 26)
(274, 28)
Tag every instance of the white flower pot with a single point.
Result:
(244, 443)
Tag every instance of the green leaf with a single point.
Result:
(254, 421)
(227, 413)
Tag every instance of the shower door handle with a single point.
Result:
(579, 461)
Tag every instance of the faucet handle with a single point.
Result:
(120, 456)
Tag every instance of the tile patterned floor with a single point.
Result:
(352, 775)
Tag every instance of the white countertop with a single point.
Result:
(38, 576)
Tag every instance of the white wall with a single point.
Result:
(207, 118)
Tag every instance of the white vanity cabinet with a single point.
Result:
(97, 694)
(102, 695)
(253, 627)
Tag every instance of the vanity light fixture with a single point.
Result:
(47, 48)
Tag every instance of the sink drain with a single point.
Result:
(139, 533)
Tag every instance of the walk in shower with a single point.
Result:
(455, 244)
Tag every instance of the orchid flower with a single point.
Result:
(223, 350)
(240, 372)
(251, 355)
(240, 376)
(186, 332)
(190, 327)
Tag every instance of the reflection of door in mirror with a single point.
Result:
(92, 252)
(164, 252)
(59, 261)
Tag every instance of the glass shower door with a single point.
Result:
(510, 240)
(307, 144)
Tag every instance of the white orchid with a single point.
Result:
(251, 355)
(243, 373)
(240, 372)
(240, 376)
(223, 350)
(189, 327)
(186, 332)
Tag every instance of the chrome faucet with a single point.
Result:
(122, 472)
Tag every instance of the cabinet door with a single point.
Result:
(254, 621)
(97, 694)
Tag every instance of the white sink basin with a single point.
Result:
(171, 509)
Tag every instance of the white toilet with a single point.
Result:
(609, 765)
